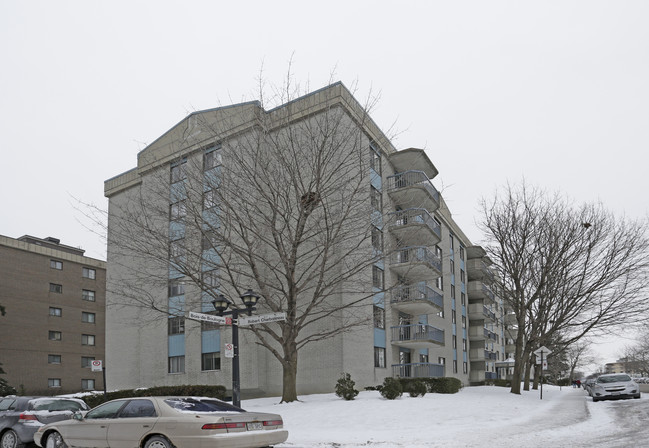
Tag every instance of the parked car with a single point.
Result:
(614, 385)
(20, 417)
(165, 422)
(588, 385)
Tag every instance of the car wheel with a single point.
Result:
(55, 440)
(10, 440)
(157, 442)
(594, 400)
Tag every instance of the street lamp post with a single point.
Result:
(221, 303)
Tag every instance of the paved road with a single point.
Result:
(575, 421)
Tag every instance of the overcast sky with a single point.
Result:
(555, 92)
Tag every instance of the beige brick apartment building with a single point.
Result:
(434, 312)
(55, 316)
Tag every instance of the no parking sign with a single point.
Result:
(96, 365)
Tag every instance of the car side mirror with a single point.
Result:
(77, 415)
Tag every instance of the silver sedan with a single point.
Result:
(164, 422)
(614, 385)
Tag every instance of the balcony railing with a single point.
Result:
(406, 224)
(490, 335)
(417, 292)
(489, 314)
(415, 255)
(418, 333)
(490, 376)
(418, 370)
(488, 354)
(414, 180)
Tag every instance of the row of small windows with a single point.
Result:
(209, 361)
(85, 316)
(86, 361)
(86, 294)
(211, 159)
(85, 272)
(87, 384)
(86, 339)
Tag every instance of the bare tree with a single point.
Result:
(279, 202)
(565, 270)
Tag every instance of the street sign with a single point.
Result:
(96, 365)
(261, 319)
(207, 317)
(229, 350)
(542, 351)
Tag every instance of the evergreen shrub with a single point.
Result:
(345, 387)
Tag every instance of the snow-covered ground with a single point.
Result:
(483, 416)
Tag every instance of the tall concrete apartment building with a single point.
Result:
(434, 312)
(55, 316)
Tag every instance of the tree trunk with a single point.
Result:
(289, 366)
(526, 378)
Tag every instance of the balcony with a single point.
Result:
(413, 189)
(415, 227)
(477, 311)
(477, 290)
(413, 159)
(416, 262)
(479, 333)
(417, 336)
(418, 298)
(418, 370)
(477, 269)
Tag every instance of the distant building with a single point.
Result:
(442, 317)
(54, 325)
(633, 368)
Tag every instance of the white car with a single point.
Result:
(614, 385)
(164, 422)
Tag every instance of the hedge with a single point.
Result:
(185, 390)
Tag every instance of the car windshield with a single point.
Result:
(57, 405)
(613, 378)
(201, 405)
(6, 403)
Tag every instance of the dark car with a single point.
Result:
(20, 417)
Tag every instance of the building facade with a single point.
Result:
(413, 300)
(55, 316)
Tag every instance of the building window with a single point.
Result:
(54, 264)
(56, 288)
(87, 384)
(463, 345)
(379, 357)
(377, 277)
(439, 282)
(452, 263)
(209, 199)
(453, 292)
(176, 288)
(57, 312)
(377, 239)
(462, 276)
(209, 240)
(376, 199)
(463, 298)
(86, 361)
(423, 357)
(375, 158)
(177, 211)
(88, 295)
(176, 325)
(88, 317)
(89, 273)
(465, 367)
(177, 249)
(379, 317)
(438, 252)
(455, 342)
(461, 252)
(463, 321)
(451, 242)
(178, 171)
(54, 382)
(176, 364)
(454, 366)
(441, 361)
(211, 279)
(212, 159)
(453, 316)
(87, 339)
(54, 335)
(211, 361)
(54, 359)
